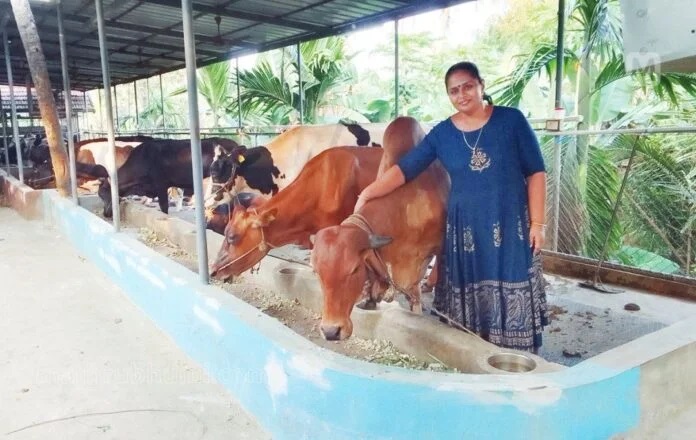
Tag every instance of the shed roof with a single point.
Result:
(145, 37)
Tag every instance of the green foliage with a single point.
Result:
(509, 89)
(646, 260)
(270, 90)
(155, 116)
(572, 213)
(603, 181)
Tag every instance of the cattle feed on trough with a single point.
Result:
(389, 241)
(323, 194)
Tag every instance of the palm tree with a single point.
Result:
(594, 66)
(606, 96)
(213, 82)
(270, 90)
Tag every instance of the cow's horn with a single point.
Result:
(377, 241)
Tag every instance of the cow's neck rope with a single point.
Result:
(361, 222)
(227, 186)
(263, 247)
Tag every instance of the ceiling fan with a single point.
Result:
(141, 63)
(218, 38)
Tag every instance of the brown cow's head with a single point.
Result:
(340, 260)
(244, 243)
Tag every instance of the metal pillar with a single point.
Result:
(557, 165)
(77, 124)
(299, 82)
(396, 68)
(106, 75)
(116, 106)
(101, 111)
(30, 106)
(13, 107)
(137, 118)
(162, 102)
(68, 101)
(3, 116)
(194, 123)
(84, 112)
(3, 119)
(239, 97)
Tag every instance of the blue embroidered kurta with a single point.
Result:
(489, 281)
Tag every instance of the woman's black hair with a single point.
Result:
(471, 69)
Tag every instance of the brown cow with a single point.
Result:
(217, 218)
(323, 194)
(406, 226)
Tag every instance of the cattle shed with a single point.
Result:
(145, 37)
(293, 387)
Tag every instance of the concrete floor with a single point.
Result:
(591, 322)
(79, 361)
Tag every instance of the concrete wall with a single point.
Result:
(585, 268)
(297, 390)
(22, 198)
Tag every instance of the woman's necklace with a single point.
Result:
(479, 159)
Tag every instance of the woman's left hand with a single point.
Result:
(537, 237)
(359, 204)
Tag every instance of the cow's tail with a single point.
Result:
(362, 136)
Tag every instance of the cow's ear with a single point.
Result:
(265, 218)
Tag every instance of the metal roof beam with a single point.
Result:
(224, 12)
(81, 36)
(4, 20)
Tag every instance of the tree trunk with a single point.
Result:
(39, 73)
(585, 80)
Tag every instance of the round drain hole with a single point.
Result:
(288, 271)
(512, 362)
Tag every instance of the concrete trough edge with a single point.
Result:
(298, 390)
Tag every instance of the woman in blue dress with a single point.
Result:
(490, 278)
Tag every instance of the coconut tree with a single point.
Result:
(594, 67)
(270, 91)
(213, 82)
(605, 96)
(47, 105)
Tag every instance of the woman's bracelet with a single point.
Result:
(543, 225)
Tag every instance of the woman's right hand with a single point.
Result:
(383, 185)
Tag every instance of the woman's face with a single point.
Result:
(465, 91)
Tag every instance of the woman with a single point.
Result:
(490, 274)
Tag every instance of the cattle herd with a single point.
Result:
(300, 188)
